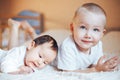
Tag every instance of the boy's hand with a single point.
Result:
(108, 65)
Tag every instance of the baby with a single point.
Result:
(25, 59)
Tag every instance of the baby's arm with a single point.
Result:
(23, 70)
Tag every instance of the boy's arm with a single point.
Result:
(109, 65)
(88, 70)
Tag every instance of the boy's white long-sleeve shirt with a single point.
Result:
(11, 60)
(71, 58)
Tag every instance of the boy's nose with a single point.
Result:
(88, 35)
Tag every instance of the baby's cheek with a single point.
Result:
(42, 66)
(30, 64)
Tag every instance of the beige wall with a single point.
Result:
(58, 13)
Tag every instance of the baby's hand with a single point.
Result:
(25, 70)
(108, 65)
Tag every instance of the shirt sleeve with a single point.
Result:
(99, 52)
(8, 66)
(66, 58)
(9, 62)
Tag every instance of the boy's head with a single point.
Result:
(88, 25)
(41, 52)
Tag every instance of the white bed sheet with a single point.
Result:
(49, 73)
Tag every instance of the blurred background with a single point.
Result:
(57, 14)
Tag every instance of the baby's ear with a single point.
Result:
(31, 45)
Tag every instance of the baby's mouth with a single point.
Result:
(34, 69)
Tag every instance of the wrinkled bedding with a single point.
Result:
(50, 73)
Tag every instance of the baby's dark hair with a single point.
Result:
(46, 38)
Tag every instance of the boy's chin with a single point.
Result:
(86, 47)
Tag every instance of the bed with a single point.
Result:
(51, 73)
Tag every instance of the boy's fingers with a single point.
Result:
(113, 65)
(100, 61)
(113, 60)
(119, 62)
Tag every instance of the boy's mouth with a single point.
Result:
(86, 41)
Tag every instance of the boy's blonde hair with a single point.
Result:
(90, 7)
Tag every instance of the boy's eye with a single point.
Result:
(44, 62)
(40, 56)
(82, 27)
(96, 30)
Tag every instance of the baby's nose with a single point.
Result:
(36, 63)
(40, 61)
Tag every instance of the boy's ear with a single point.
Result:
(104, 31)
(71, 27)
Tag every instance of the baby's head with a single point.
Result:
(88, 25)
(41, 51)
